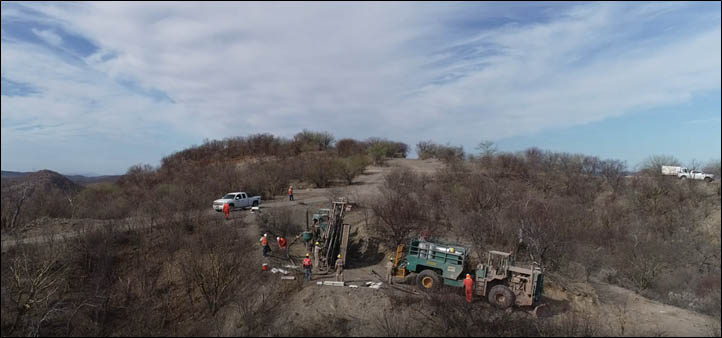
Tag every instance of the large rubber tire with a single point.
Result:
(707, 179)
(230, 207)
(255, 203)
(683, 178)
(501, 297)
(428, 280)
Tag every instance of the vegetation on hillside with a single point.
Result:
(576, 215)
(183, 273)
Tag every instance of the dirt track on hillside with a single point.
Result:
(360, 311)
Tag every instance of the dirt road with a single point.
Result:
(619, 308)
(640, 315)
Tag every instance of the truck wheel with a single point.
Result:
(255, 203)
(231, 206)
(708, 179)
(428, 280)
(501, 297)
(683, 178)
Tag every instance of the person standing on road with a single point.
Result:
(307, 267)
(339, 269)
(282, 246)
(290, 193)
(390, 271)
(264, 244)
(468, 284)
(226, 210)
(316, 255)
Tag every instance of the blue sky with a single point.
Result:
(96, 87)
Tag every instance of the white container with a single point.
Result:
(441, 249)
(422, 249)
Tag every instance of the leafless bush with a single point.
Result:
(391, 149)
(713, 167)
(652, 166)
(311, 141)
(351, 167)
(572, 324)
(349, 147)
(322, 169)
(12, 206)
(613, 173)
(447, 153)
(33, 278)
(399, 206)
(280, 222)
(214, 263)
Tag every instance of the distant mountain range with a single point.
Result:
(79, 179)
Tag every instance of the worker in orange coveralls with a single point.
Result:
(282, 245)
(226, 210)
(467, 287)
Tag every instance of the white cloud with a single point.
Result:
(48, 36)
(360, 70)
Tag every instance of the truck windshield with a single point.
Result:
(229, 197)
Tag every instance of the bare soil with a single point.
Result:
(331, 310)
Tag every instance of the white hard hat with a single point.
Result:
(278, 238)
(265, 235)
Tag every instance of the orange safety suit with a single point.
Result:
(226, 210)
(468, 283)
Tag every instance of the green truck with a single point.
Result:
(502, 283)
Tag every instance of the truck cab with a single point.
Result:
(695, 175)
(505, 284)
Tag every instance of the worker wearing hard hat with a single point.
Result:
(317, 255)
(307, 267)
(390, 271)
(339, 269)
(264, 245)
(468, 283)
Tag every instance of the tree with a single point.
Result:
(349, 147)
(215, 264)
(351, 167)
(321, 170)
(613, 173)
(425, 149)
(25, 192)
(713, 167)
(378, 153)
(33, 280)
(653, 165)
(400, 206)
(487, 148)
(310, 140)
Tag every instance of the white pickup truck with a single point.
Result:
(684, 173)
(236, 200)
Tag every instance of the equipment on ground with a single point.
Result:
(331, 233)
(502, 283)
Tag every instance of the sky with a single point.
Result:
(93, 88)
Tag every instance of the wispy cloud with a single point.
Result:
(704, 121)
(449, 72)
(48, 36)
